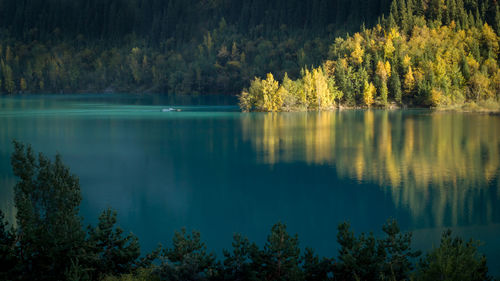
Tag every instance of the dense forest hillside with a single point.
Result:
(158, 20)
(193, 46)
(424, 54)
(184, 46)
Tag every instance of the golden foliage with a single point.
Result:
(409, 81)
(369, 93)
(382, 71)
(445, 65)
(435, 97)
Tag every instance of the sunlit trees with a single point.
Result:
(271, 100)
(368, 94)
(409, 82)
(313, 91)
(430, 57)
(383, 72)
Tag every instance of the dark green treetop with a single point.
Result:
(47, 198)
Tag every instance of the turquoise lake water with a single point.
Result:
(214, 169)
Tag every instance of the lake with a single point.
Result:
(214, 169)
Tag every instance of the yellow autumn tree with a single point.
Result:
(406, 61)
(388, 69)
(323, 96)
(490, 39)
(409, 81)
(480, 87)
(309, 88)
(369, 93)
(270, 101)
(435, 97)
(383, 74)
(358, 52)
(381, 70)
(388, 48)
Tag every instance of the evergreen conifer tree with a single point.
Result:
(47, 198)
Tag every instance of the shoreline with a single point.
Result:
(485, 107)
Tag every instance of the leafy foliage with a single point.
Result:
(423, 58)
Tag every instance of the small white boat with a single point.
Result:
(170, 109)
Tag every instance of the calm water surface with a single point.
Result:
(214, 169)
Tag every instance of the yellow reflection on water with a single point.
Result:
(449, 156)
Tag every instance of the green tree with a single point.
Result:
(290, 99)
(359, 258)
(8, 258)
(399, 255)
(395, 86)
(114, 253)
(188, 260)
(280, 258)
(454, 259)
(237, 264)
(316, 269)
(47, 198)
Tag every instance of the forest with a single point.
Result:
(424, 54)
(49, 242)
(216, 46)
(176, 46)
